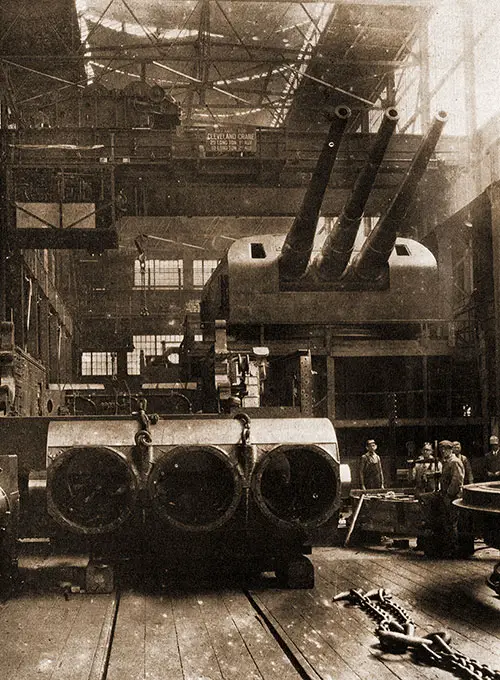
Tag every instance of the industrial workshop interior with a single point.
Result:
(249, 339)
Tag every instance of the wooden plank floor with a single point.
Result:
(265, 633)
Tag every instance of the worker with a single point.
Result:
(492, 460)
(465, 523)
(452, 480)
(426, 470)
(468, 475)
(371, 473)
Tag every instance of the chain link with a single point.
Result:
(245, 427)
(396, 632)
(143, 436)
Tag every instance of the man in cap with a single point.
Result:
(457, 450)
(370, 471)
(426, 471)
(492, 460)
(452, 481)
(465, 523)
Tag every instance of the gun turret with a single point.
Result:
(395, 277)
(337, 249)
(298, 244)
(371, 262)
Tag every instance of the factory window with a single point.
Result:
(486, 41)
(202, 271)
(159, 274)
(151, 346)
(98, 363)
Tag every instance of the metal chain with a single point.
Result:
(143, 436)
(247, 460)
(245, 429)
(396, 632)
(493, 579)
(366, 602)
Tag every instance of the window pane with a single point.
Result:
(151, 346)
(98, 363)
(202, 271)
(86, 363)
(159, 274)
(408, 89)
(486, 55)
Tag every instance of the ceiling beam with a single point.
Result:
(105, 52)
(257, 201)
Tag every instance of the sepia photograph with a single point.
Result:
(249, 339)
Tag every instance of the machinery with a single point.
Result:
(181, 492)
(249, 490)
(482, 501)
(481, 504)
(388, 280)
(274, 296)
(137, 105)
(9, 519)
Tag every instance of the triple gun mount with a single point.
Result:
(332, 263)
(385, 280)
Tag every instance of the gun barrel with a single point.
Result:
(298, 244)
(337, 249)
(377, 248)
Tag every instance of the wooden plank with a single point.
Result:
(328, 644)
(358, 627)
(448, 572)
(127, 656)
(81, 657)
(162, 653)
(218, 634)
(429, 612)
(453, 593)
(481, 563)
(424, 625)
(228, 641)
(34, 630)
(48, 639)
(461, 612)
(401, 666)
(19, 621)
(269, 658)
(197, 654)
(460, 594)
(302, 663)
(42, 631)
(100, 661)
